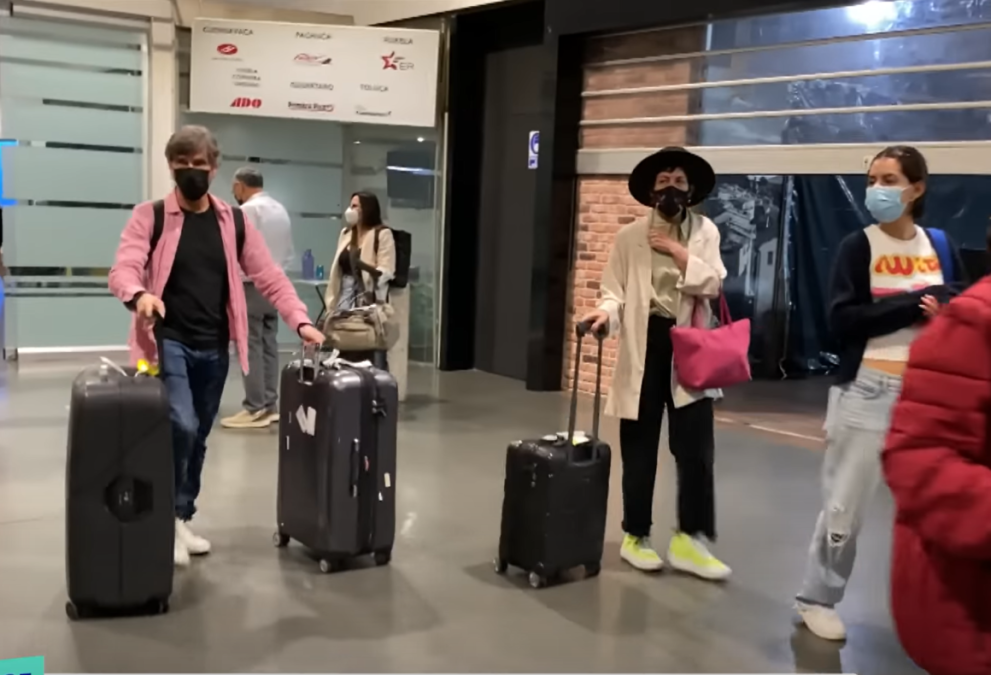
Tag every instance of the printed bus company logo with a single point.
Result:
(245, 102)
(313, 60)
(377, 88)
(398, 40)
(322, 86)
(223, 30)
(312, 107)
(393, 62)
(362, 111)
(303, 35)
(227, 49)
(246, 77)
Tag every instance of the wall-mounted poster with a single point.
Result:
(335, 73)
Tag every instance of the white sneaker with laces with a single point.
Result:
(194, 544)
(180, 554)
(822, 621)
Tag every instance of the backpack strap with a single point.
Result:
(239, 229)
(941, 244)
(159, 226)
(158, 208)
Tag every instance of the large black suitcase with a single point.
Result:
(119, 501)
(337, 460)
(556, 494)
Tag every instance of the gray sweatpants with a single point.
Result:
(261, 384)
(857, 419)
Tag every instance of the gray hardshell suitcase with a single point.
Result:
(119, 502)
(337, 460)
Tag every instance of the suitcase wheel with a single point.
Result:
(160, 606)
(537, 581)
(76, 612)
(592, 570)
(500, 566)
(383, 558)
(280, 540)
(329, 566)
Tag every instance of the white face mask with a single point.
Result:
(351, 217)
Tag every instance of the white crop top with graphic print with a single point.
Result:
(899, 266)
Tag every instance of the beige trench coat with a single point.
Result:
(626, 295)
(385, 262)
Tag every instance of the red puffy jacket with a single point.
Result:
(937, 461)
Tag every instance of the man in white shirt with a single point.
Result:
(261, 383)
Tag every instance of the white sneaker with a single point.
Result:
(180, 554)
(194, 544)
(823, 622)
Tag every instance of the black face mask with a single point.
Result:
(670, 201)
(192, 183)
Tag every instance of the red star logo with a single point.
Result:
(390, 62)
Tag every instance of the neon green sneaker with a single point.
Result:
(639, 552)
(690, 555)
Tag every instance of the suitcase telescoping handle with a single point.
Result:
(313, 352)
(581, 330)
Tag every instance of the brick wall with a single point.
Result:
(604, 204)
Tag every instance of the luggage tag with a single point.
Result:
(580, 438)
(108, 365)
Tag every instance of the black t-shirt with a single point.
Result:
(197, 292)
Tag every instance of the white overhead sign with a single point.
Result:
(303, 71)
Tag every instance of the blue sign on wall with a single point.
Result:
(533, 150)
(32, 665)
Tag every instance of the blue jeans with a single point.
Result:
(195, 381)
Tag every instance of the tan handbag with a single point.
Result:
(370, 328)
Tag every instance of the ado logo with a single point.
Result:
(227, 49)
(245, 102)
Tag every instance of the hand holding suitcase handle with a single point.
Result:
(582, 329)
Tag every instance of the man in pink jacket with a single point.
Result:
(186, 272)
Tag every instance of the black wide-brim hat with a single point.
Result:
(701, 177)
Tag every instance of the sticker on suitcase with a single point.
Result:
(307, 419)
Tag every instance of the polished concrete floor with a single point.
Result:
(439, 607)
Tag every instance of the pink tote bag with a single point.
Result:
(712, 358)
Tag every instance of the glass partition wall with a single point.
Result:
(72, 134)
(314, 167)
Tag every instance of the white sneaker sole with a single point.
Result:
(180, 558)
(838, 635)
(262, 423)
(640, 564)
(688, 567)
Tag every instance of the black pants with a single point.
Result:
(690, 438)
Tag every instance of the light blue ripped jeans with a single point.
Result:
(857, 419)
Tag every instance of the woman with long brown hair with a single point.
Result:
(364, 264)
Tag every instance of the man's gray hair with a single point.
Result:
(190, 141)
(250, 177)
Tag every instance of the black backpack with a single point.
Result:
(404, 249)
(156, 233)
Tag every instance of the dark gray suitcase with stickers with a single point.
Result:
(119, 513)
(337, 460)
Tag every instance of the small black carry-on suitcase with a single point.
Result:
(556, 491)
(337, 460)
(119, 502)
